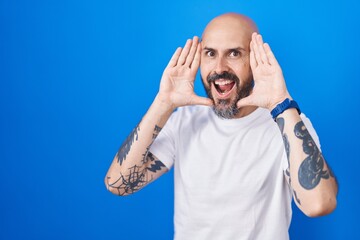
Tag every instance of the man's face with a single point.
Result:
(225, 67)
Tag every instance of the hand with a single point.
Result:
(177, 82)
(270, 88)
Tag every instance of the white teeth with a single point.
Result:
(223, 82)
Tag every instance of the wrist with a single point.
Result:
(164, 103)
(278, 101)
(283, 106)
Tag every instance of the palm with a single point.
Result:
(270, 87)
(177, 82)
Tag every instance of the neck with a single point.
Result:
(244, 111)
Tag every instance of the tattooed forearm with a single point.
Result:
(147, 155)
(125, 147)
(131, 182)
(137, 176)
(141, 173)
(311, 169)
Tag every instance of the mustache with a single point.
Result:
(224, 75)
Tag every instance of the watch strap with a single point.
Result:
(284, 105)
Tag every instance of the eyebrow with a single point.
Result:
(230, 49)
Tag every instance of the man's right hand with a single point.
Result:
(177, 82)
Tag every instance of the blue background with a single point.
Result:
(77, 76)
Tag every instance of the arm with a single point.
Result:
(133, 166)
(313, 183)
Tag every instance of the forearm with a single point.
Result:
(312, 180)
(133, 156)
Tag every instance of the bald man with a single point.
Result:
(241, 154)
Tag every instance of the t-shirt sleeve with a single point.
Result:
(313, 134)
(163, 146)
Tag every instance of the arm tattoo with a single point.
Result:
(281, 124)
(147, 155)
(156, 165)
(157, 130)
(125, 147)
(138, 176)
(131, 182)
(311, 169)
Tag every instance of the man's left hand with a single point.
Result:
(270, 88)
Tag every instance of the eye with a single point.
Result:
(234, 53)
(210, 53)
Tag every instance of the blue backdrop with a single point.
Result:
(76, 76)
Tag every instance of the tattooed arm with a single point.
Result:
(313, 182)
(310, 177)
(134, 166)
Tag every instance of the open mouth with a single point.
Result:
(223, 87)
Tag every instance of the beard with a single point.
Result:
(226, 108)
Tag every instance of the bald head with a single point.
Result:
(225, 62)
(230, 25)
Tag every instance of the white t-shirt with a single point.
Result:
(229, 175)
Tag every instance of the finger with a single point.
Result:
(262, 53)
(256, 49)
(192, 52)
(196, 62)
(196, 100)
(253, 62)
(185, 52)
(270, 54)
(175, 57)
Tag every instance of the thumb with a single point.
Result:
(196, 100)
(248, 101)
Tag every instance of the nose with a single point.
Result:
(221, 65)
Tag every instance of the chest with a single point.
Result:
(229, 162)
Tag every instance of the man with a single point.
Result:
(240, 156)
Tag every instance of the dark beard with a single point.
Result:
(226, 108)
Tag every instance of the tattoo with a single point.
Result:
(157, 165)
(147, 155)
(157, 130)
(138, 176)
(132, 182)
(125, 147)
(281, 124)
(311, 169)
